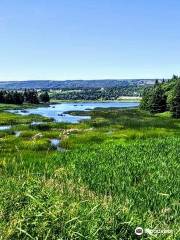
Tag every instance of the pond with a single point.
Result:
(4, 128)
(57, 111)
(55, 144)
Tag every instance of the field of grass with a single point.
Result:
(113, 173)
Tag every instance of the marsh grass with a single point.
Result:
(41, 127)
(14, 119)
(120, 171)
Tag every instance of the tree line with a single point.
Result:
(163, 97)
(26, 96)
(98, 94)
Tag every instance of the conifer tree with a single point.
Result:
(175, 108)
(44, 97)
(158, 100)
(145, 103)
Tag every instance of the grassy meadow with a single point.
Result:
(112, 173)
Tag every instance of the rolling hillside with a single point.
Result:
(74, 84)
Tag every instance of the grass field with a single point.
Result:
(113, 173)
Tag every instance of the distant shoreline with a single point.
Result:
(120, 99)
(129, 98)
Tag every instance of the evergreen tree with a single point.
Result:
(8, 97)
(44, 97)
(158, 100)
(175, 108)
(175, 77)
(31, 96)
(25, 95)
(18, 98)
(2, 98)
(35, 99)
(156, 83)
(145, 103)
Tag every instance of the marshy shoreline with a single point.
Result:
(111, 172)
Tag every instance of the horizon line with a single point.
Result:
(99, 79)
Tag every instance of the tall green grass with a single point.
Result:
(121, 171)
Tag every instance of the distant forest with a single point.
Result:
(26, 96)
(97, 94)
(34, 97)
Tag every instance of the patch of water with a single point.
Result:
(36, 123)
(17, 133)
(4, 128)
(55, 143)
(58, 111)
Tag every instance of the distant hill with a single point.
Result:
(73, 84)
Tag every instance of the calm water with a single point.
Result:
(4, 127)
(57, 111)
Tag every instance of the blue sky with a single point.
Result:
(89, 39)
